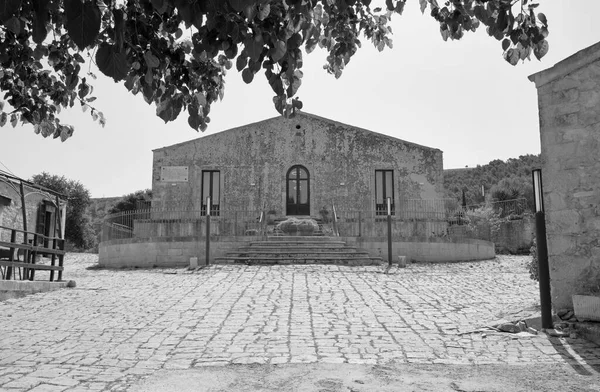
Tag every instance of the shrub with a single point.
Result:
(533, 265)
(292, 225)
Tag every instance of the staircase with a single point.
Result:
(298, 250)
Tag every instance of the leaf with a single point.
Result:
(40, 20)
(278, 51)
(83, 21)
(160, 5)
(505, 44)
(296, 82)
(390, 5)
(66, 131)
(254, 47)
(164, 110)
(512, 56)
(241, 62)
(151, 60)
(119, 28)
(8, 8)
(241, 5)
(201, 99)
(295, 41)
(194, 121)
(111, 62)
(445, 34)
(423, 4)
(169, 108)
(14, 25)
(3, 118)
(263, 11)
(542, 18)
(247, 76)
(13, 120)
(540, 49)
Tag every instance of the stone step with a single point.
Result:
(296, 250)
(301, 238)
(308, 260)
(296, 245)
(286, 255)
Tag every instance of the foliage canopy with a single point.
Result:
(78, 229)
(175, 53)
(132, 201)
(501, 180)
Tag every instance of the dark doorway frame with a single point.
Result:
(297, 180)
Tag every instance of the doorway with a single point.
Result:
(298, 191)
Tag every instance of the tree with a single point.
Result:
(132, 201)
(490, 176)
(512, 188)
(78, 230)
(176, 52)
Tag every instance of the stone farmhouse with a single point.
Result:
(569, 111)
(255, 177)
(295, 167)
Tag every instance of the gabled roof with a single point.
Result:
(12, 179)
(305, 115)
(567, 66)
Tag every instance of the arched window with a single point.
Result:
(298, 191)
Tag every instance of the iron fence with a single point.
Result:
(504, 208)
(410, 218)
(150, 223)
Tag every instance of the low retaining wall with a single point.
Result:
(431, 250)
(19, 288)
(164, 251)
(177, 251)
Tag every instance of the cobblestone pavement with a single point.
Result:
(118, 326)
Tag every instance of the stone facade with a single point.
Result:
(569, 111)
(39, 206)
(254, 164)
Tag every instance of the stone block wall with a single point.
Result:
(254, 159)
(569, 112)
(11, 215)
(176, 251)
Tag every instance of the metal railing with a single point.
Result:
(504, 208)
(151, 223)
(410, 218)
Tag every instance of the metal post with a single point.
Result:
(389, 227)
(208, 230)
(24, 211)
(542, 250)
(359, 223)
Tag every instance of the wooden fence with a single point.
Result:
(22, 257)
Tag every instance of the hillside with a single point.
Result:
(471, 179)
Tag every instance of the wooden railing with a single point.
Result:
(26, 267)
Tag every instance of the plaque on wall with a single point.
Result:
(174, 173)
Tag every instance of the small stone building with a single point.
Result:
(294, 167)
(40, 208)
(569, 111)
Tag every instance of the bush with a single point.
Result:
(293, 225)
(533, 265)
(78, 228)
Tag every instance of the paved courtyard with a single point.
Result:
(119, 326)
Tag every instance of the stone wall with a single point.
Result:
(253, 161)
(569, 111)
(176, 251)
(512, 237)
(11, 213)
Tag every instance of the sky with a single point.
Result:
(458, 96)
